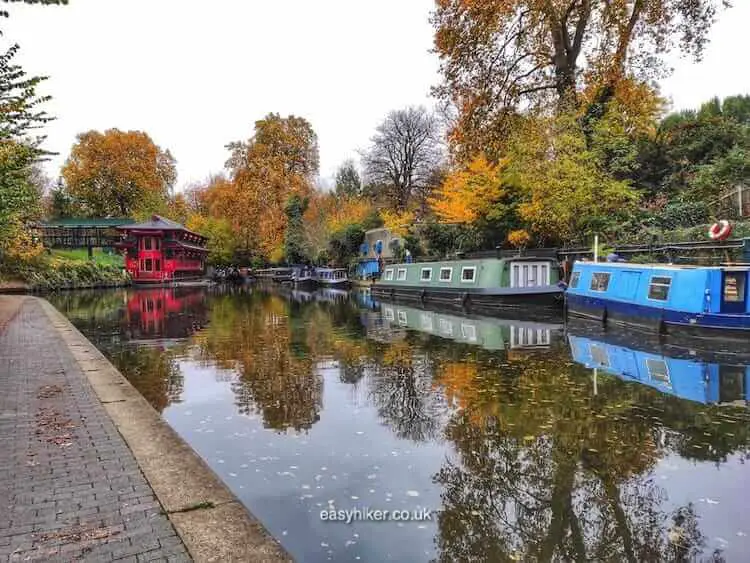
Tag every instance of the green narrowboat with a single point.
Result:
(482, 283)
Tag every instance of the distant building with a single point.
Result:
(162, 250)
(379, 243)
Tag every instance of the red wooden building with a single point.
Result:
(161, 250)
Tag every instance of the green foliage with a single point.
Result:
(344, 244)
(348, 182)
(55, 274)
(682, 215)
(294, 237)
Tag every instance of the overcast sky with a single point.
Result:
(195, 75)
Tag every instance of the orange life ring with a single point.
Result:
(720, 230)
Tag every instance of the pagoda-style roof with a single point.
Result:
(158, 223)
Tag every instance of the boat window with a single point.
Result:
(574, 279)
(599, 355)
(734, 287)
(426, 274)
(158, 265)
(468, 273)
(401, 276)
(157, 244)
(600, 281)
(402, 318)
(149, 264)
(389, 274)
(659, 288)
(469, 332)
(658, 371)
(446, 327)
(427, 322)
(389, 312)
(446, 274)
(147, 243)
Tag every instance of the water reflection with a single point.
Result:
(305, 401)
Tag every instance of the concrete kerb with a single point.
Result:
(209, 519)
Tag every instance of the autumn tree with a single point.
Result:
(404, 152)
(348, 182)
(281, 159)
(503, 57)
(118, 173)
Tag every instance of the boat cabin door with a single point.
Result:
(734, 292)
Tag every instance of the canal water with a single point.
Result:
(488, 439)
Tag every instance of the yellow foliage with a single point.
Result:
(519, 238)
(471, 193)
(20, 245)
(396, 222)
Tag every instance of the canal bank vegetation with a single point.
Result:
(528, 147)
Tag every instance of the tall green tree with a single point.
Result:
(348, 182)
(294, 237)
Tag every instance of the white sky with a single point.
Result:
(196, 75)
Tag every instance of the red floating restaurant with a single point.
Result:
(161, 250)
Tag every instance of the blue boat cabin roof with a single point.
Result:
(693, 289)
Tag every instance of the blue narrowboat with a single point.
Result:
(705, 301)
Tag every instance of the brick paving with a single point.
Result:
(70, 489)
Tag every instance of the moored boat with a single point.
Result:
(484, 283)
(705, 301)
(278, 275)
(332, 277)
(303, 277)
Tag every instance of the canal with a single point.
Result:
(499, 440)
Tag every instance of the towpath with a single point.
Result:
(82, 478)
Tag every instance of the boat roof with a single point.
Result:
(631, 265)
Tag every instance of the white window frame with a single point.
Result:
(469, 332)
(609, 279)
(427, 322)
(668, 286)
(577, 277)
(389, 274)
(445, 327)
(398, 274)
(651, 364)
(450, 275)
(538, 267)
(389, 314)
(473, 277)
(402, 318)
(421, 274)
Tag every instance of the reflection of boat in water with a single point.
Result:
(331, 295)
(683, 373)
(488, 332)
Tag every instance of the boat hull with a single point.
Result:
(336, 284)
(307, 283)
(550, 297)
(664, 321)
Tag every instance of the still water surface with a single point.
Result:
(526, 441)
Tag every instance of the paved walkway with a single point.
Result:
(70, 488)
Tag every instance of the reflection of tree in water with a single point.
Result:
(546, 470)
(153, 371)
(402, 391)
(265, 343)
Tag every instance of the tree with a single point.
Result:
(294, 239)
(281, 159)
(60, 203)
(403, 155)
(348, 183)
(567, 194)
(118, 173)
(503, 57)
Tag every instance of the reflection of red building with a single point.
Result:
(161, 250)
(165, 313)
